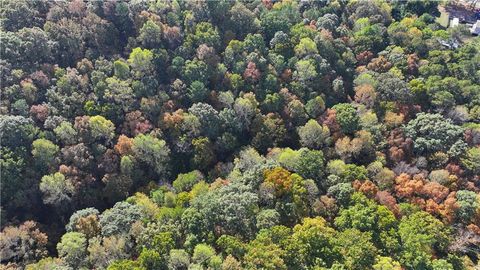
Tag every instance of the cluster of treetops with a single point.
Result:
(257, 134)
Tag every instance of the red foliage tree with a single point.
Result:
(379, 64)
(109, 162)
(330, 120)
(366, 187)
(400, 147)
(412, 64)
(434, 191)
(280, 178)
(39, 112)
(406, 187)
(251, 73)
(124, 145)
(364, 57)
(388, 200)
(135, 123)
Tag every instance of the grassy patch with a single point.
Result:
(443, 19)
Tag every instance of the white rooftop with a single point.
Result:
(475, 30)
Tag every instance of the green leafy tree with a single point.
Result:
(209, 118)
(195, 70)
(313, 135)
(17, 131)
(421, 235)
(263, 254)
(47, 264)
(230, 207)
(231, 245)
(392, 88)
(150, 35)
(101, 128)
(357, 249)
(367, 216)
(279, 19)
(369, 37)
(432, 133)
(203, 155)
(305, 72)
(472, 160)
(242, 20)
(342, 192)
(151, 259)
(306, 47)
(18, 14)
(468, 202)
(179, 259)
(267, 218)
(315, 107)
(311, 164)
(12, 174)
(203, 255)
(56, 190)
(153, 152)
(442, 264)
(119, 92)
(69, 36)
(27, 47)
(347, 117)
(205, 33)
(312, 244)
(197, 92)
(121, 69)
(119, 218)
(386, 263)
(141, 61)
(66, 133)
(125, 265)
(185, 181)
(73, 249)
(271, 132)
(45, 153)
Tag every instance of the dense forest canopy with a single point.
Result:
(225, 135)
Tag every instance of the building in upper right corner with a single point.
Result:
(475, 30)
